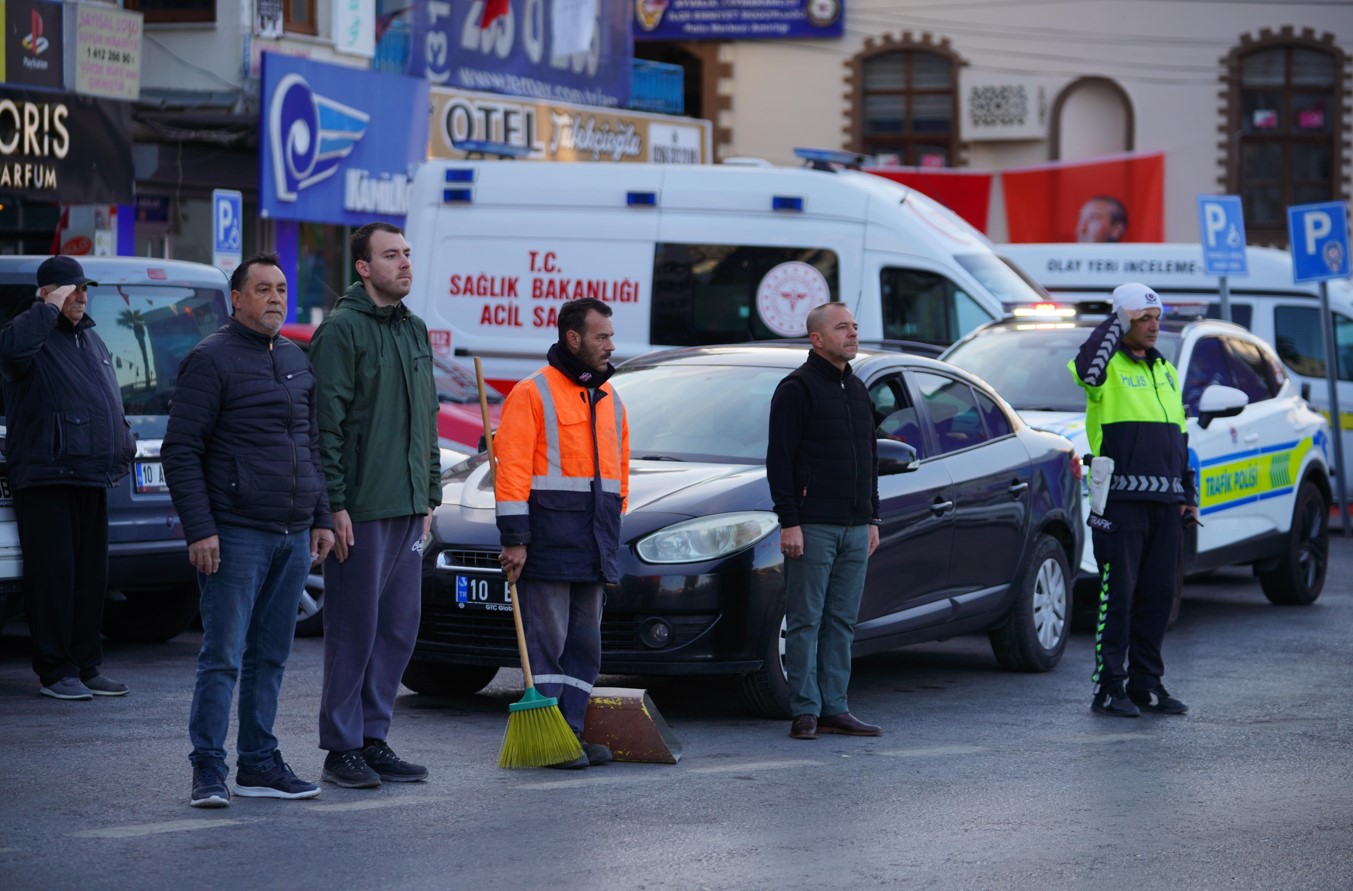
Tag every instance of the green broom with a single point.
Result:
(537, 734)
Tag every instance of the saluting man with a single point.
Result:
(1135, 415)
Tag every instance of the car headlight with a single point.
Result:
(707, 538)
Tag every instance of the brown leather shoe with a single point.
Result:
(847, 724)
(804, 727)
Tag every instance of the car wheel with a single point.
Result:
(765, 692)
(451, 681)
(1300, 575)
(149, 616)
(1035, 631)
(310, 611)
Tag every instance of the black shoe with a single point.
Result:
(579, 763)
(276, 781)
(349, 769)
(1157, 699)
(1113, 701)
(389, 766)
(209, 786)
(804, 727)
(597, 754)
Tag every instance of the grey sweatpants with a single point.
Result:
(372, 604)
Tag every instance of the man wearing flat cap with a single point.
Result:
(67, 442)
(1134, 416)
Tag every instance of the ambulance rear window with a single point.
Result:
(718, 293)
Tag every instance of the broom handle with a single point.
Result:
(511, 585)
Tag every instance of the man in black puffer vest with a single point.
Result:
(822, 464)
(241, 456)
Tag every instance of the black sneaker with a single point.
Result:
(277, 781)
(209, 786)
(597, 754)
(349, 769)
(1157, 699)
(1113, 701)
(390, 767)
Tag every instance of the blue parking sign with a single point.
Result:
(227, 227)
(1319, 237)
(1221, 222)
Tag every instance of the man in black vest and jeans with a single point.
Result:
(822, 464)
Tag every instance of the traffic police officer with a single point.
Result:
(1135, 416)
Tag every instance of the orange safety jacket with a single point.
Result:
(563, 477)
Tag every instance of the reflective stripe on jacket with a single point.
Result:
(563, 470)
(1134, 414)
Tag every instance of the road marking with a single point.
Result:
(375, 803)
(142, 829)
(927, 751)
(756, 765)
(1100, 738)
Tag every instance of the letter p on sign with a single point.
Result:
(1316, 227)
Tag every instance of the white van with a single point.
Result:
(1284, 314)
(687, 256)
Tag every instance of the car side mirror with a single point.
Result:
(897, 457)
(1220, 402)
(1305, 391)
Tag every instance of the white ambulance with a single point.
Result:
(1284, 314)
(687, 256)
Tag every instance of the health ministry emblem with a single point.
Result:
(310, 135)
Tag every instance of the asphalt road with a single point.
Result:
(984, 780)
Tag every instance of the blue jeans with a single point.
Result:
(822, 601)
(248, 622)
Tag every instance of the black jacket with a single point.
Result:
(63, 407)
(242, 447)
(822, 458)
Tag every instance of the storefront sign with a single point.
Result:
(63, 147)
(555, 131)
(338, 144)
(737, 19)
(107, 52)
(519, 53)
(33, 45)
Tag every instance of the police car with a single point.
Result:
(1259, 453)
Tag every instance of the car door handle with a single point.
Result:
(1016, 488)
(1250, 437)
(940, 507)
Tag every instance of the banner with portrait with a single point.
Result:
(1119, 198)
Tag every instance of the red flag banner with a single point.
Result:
(965, 192)
(1120, 198)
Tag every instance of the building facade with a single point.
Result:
(1242, 98)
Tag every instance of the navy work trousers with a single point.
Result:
(562, 621)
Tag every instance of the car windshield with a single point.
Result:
(1006, 282)
(456, 384)
(148, 330)
(698, 412)
(1027, 364)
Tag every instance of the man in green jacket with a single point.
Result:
(378, 443)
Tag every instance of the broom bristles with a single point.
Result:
(537, 736)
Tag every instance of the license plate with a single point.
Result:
(476, 592)
(150, 478)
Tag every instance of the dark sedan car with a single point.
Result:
(981, 515)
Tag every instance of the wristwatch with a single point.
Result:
(876, 522)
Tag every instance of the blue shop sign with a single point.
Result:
(518, 48)
(737, 19)
(338, 144)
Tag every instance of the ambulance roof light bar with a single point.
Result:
(824, 159)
